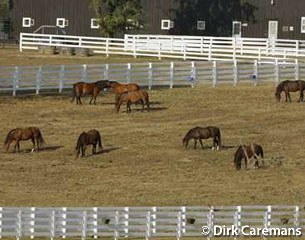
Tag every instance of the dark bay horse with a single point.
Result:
(290, 86)
(140, 96)
(82, 88)
(22, 134)
(199, 133)
(92, 137)
(247, 152)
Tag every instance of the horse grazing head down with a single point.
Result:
(246, 152)
(290, 86)
(199, 133)
(92, 137)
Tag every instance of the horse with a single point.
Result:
(290, 86)
(119, 88)
(199, 133)
(247, 152)
(22, 134)
(92, 137)
(82, 88)
(140, 96)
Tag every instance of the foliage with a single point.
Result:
(218, 15)
(4, 9)
(117, 16)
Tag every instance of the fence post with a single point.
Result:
(64, 222)
(267, 218)
(134, 47)
(154, 219)
(297, 216)
(84, 73)
(171, 75)
(159, 50)
(106, 71)
(193, 74)
(20, 42)
(179, 226)
(126, 221)
(61, 78)
(128, 72)
(276, 71)
(210, 49)
(19, 225)
(15, 80)
(107, 47)
(238, 218)
(38, 79)
(214, 73)
(32, 222)
(235, 73)
(255, 72)
(296, 69)
(52, 227)
(148, 226)
(116, 226)
(84, 222)
(1, 209)
(210, 222)
(150, 75)
(95, 223)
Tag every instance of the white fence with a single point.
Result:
(166, 46)
(143, 222)
(59, 77)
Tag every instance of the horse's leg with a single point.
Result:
(289, 97)
(195, 143)
(33, 141)
(83, 151)
(91, 99)
(200, 140)
(93, 149)
(128, 108)
(17, 145)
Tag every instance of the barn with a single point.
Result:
(241, 18)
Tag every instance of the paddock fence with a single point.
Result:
(144, 222)
(169, 74)
(166, 46)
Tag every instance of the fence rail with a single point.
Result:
(59, 77)
(165, 46)
(143, 222)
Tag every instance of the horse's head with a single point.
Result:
(277, 93)
(185, 142)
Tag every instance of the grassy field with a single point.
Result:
(144, 162)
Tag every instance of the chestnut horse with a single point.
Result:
(199, 133)
(119, 88)
(140, 96)
(247, 152)
(92, 137)
(82, 88)
(21, 134)
(290, 86)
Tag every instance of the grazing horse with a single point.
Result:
(140, 96)
(247, 152)
(82, 88)
(290, 86)
(21, 134)
(92, 137)
(199, 133)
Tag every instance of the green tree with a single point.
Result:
(4, 9)
(117, 16)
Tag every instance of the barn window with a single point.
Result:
(61, 22)
(166, 24)
(303, 25)
(27, 22)
(94, 23)
(200, 25)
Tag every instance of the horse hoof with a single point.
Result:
(213, 148)
(33, 150)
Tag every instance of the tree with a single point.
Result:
(117, 16)
(4, 9)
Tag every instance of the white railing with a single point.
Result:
(60, 77)
(166, 46)
(145, 222)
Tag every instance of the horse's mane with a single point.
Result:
(7, 136)
(239, 154)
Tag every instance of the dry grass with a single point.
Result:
(145, 163)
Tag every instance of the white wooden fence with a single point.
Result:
(58, 77)
(166, 46)
(145, 222)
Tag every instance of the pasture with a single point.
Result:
(143, 162)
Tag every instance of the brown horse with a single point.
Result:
(119, 88)
(21, 134)
(140, 96)
(199, 133)
(290, 86)
(92, 137)
(247, 152)
(82, 88)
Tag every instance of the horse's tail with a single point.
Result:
(8, 136)
(218, 136)
(238, 157)
(278, 91)
(73, 92)
(99, 140)
(260, 151)
(40, 139)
